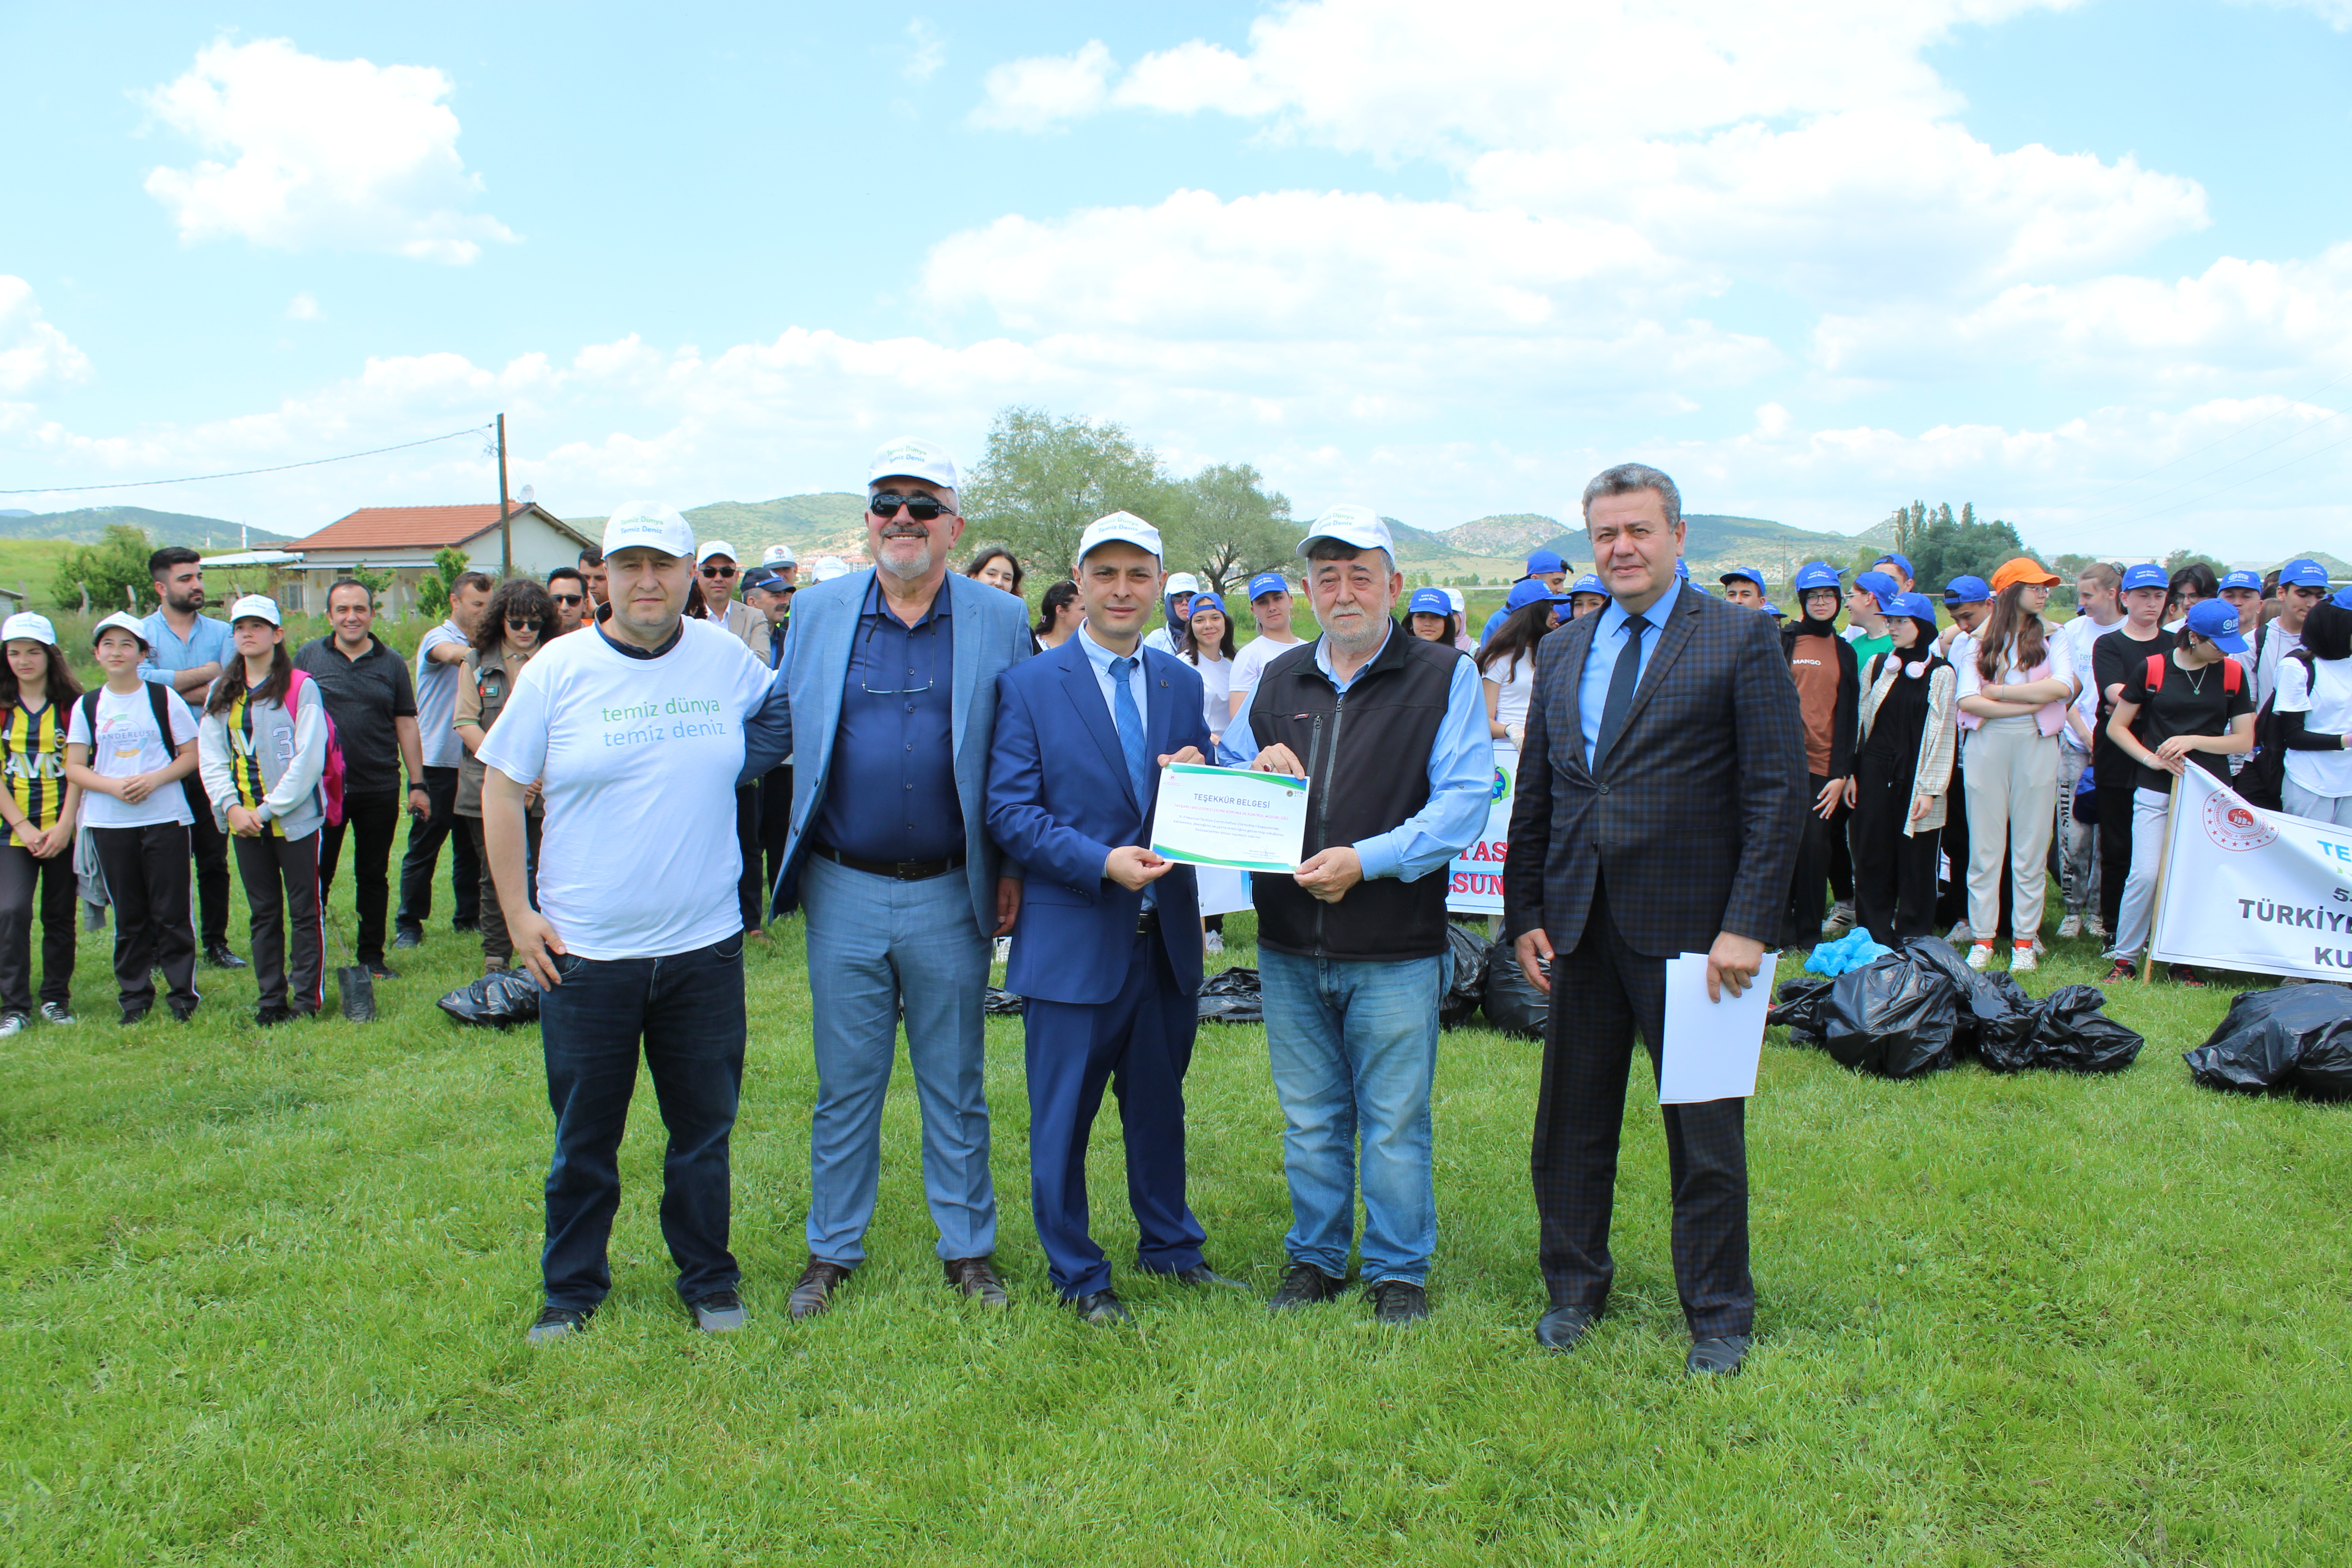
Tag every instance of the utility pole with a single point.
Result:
(505, 529)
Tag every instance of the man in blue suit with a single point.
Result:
(1109, 948)
(886, 700)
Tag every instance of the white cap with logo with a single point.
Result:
(648, 525)
(828, 567)
(25, 624)
(716, 547)
(1121, 526)
(779, 555)
(912, 459)
(1359, 526)
(119, 622)
(1180, 583)
(257, 607)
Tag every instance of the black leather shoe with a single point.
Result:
(408, 939)
(812, 1291)
(269, 1017)
(220, 957)
(1720, 1355)
(1304, 1286)
(1201, 1274)
(132, 1014)
(1102, 1307)
(975, 1279)
(1562, 1327)
(1398, 1302)
(462, 927)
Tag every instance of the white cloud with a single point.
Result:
(1044, 91)
(33, 352)
(2337, 13)
(303, 307)
(927, 51)
(336, 154)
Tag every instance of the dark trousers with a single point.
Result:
(497, 941)
(281, 889)
(209, 845)
(1893, 873)
(687, 1013)
(370, 820)
(2115, 809)
(424, 839)
(1809, 886)
(775, 827)
(747, 889)
(1139, 1043)
(21, 874)
(1600, 994)
(1841, 867)
(147, 878)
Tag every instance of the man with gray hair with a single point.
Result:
(1352, 956)
(1661, 794)
(890, 682)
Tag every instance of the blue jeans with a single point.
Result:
(876, 945)
(687, 1011)
(1354, 1047)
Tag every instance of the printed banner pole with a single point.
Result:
(2163, 867)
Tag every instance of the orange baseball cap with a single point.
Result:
(2023, 569)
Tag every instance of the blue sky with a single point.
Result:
(2084, 265)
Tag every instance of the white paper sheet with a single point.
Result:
(1223, 816)
(1712, 1047)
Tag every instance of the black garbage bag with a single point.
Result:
(2067, 1032)
(507, 997)
(1003, 1003)
(1513, 1005)
(1469, 987)
(1231, 996)
(1800, 1006)
(1994, 1013)
(2296, 1039)
(1895, 1017)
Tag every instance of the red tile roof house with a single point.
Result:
(402, 541)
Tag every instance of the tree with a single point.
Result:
(1943, 546)
(1223, 523)
(2180, 558)
(1045, 477)
(433, 592)
(117, 562)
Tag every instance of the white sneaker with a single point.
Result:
(1840, 919)
(2021, 960)
(13, 1024)
(1980, 955)
(2071, 926)
(1212, 941)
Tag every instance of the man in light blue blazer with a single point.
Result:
(887, 702)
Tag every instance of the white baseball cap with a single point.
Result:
(648, 525)
(25, 624)
(913, 458)
(779, 555)
(125, 621)
(1461, 605)
(1123, 526)
(716, 547)
(257, 606)
(1359, 526)
(1181, 582)
(828, 567)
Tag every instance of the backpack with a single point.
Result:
(2263, 781)
(155, 689)
(331, 777)
(2232, 678)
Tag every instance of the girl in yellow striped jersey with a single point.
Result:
(39, 803)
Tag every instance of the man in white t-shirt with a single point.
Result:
(638, 937)
(1269, 598)
(2302, 583)
(440, 657)
(2097, 596)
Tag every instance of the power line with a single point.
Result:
(241, 473)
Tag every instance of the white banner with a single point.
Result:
(2254, 889)
(1476, 885)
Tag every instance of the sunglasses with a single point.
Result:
(922, 509)
(522, 623)
(566, 600)
(719, 571)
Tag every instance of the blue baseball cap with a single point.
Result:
(1588, 584)
(1966, 591)
(2343, 598)
(1266, 583)
(2303, 572)
(1749, 572)
(1879, 586)
(2216, 622)
(1528, 591)
(1900, 560)
(2243, 579)
(1774, 610)
(1682, 568)
(2148, 574)
(1204, 600)
(1545, 560)
(1913, 606)
(1430, 602)
(1815, 574)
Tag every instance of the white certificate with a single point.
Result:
(1712, 1047)
(1222, 816)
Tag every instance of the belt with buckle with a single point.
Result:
(1146, 923)
(897, 870)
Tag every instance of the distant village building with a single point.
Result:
(404, 540)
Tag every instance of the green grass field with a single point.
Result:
(266, 1293)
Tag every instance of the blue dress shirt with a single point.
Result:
(1461, 778)
(207, 643)
(1608, 642)
(892, 793)
(1099, 659)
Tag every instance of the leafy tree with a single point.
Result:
(1223, 523)
(433, 592)
(1943, 544)
(1045, 477)
(2180, 558)
(117, 562)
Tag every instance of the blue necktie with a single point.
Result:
(1130, 730)
(1621, 681)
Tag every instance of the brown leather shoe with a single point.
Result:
(812, 1291)
(977, 1281)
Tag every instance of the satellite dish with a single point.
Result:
(528, 495)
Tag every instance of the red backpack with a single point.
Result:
(2231, 676)
(331, 777)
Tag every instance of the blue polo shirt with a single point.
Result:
(207, 643)
(891, 795)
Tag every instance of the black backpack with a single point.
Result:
(155, 689)
(2263, 781)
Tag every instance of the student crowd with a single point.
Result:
(921, 773)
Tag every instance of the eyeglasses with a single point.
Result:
(866, 663)
(719, 571)
(922, 509)
(566, 600)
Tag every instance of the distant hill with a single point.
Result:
(826, 519)
(1713, 540)
(86, 526)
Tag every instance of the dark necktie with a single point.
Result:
(775, 645)
(1621, 681)
(1130, 730)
